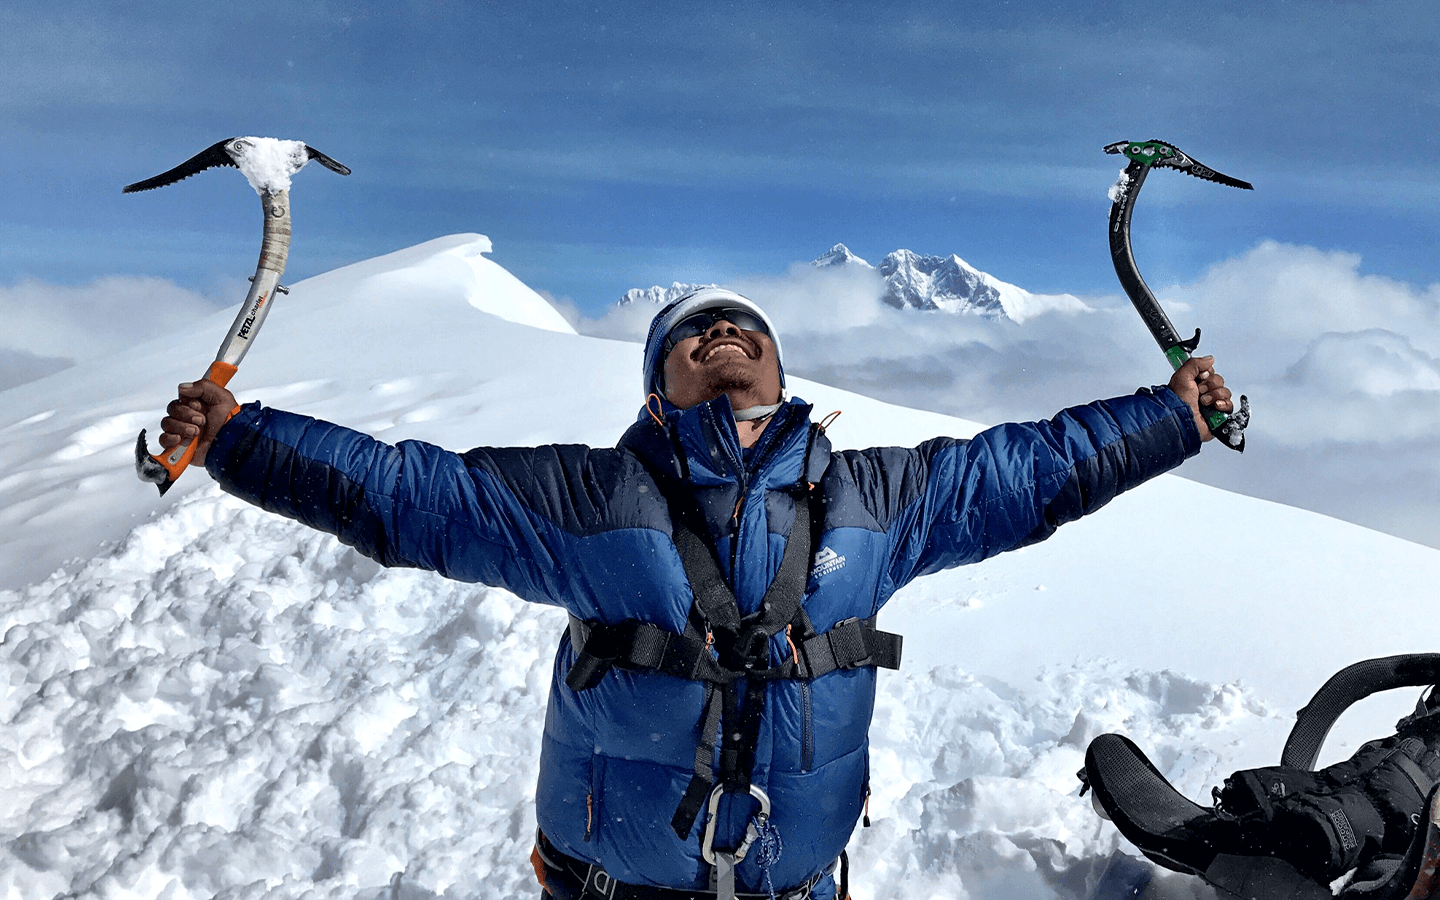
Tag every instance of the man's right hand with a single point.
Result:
(199, 411)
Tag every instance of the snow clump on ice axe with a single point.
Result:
(267, 164)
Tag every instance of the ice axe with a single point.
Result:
(1143, 155)
(267, 164)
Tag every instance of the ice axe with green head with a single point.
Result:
(268, 164)
(1144, 155)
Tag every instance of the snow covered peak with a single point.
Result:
(839, 255)
(658, 295)
(456, 264)
(913, 281)
(950, 284)
(938, 282)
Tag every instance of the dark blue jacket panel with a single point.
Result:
(589, 530)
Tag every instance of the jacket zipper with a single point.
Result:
(769, 440)
(735, 532)
(807, 729)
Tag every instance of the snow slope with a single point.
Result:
(205, 701)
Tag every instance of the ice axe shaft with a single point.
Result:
(1143, 155)
(163, 468)
(268, 165)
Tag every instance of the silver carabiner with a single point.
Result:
(752, 833)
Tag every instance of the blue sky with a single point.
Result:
(603, 147)
(609, 146)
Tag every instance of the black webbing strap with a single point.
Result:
(566, 876)
(745, 653)
(1344, 688)
(639, 645)
(730, 653)
(713, 597)
(703, 779)
(852, 643)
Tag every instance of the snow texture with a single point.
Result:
(268, 163)
(1117, 190)
(201, 700)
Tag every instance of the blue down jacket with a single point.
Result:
(586, 529)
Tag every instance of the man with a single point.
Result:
(707, 724)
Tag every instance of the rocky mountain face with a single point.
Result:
(912, 281)
(658, 295)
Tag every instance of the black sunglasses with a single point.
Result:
(701, 322)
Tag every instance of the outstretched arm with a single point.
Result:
(952, 502)
(507, 517)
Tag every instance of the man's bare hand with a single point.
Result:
(198, 412)
(1198, 384)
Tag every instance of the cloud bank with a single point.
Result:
(50, 327)
(1342, 368)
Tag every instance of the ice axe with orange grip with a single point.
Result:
(267, 164)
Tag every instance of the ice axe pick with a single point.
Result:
(1144, 155)
(267, 164)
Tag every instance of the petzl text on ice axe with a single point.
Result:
(268, 164)
(1143, 155)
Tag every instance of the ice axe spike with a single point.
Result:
(1143, 155)
(268, 165)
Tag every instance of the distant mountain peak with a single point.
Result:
(839, 255)
(659, 295)
(945, 283)
(914, 281)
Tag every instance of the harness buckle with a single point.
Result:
(847, 643)
(756, 652)
(752, 833)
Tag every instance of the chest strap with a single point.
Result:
(633, 644)
(728, 652)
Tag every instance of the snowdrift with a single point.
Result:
(205, 701)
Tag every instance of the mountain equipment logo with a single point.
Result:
(826, 561)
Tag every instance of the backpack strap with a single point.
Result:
(1346, 687)
(728, 651)
(746, 657)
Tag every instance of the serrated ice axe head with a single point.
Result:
(267, 164)
(236, 152)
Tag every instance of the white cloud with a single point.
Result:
(1342, 368)
(18, 367)
(1376, 363)
(49, 325)
(1269, 303)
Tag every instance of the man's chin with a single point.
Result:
(727, 385)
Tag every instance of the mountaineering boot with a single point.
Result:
(1160, 821)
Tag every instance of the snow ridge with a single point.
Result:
(228, 705)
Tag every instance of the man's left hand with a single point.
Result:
(1198, 384)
